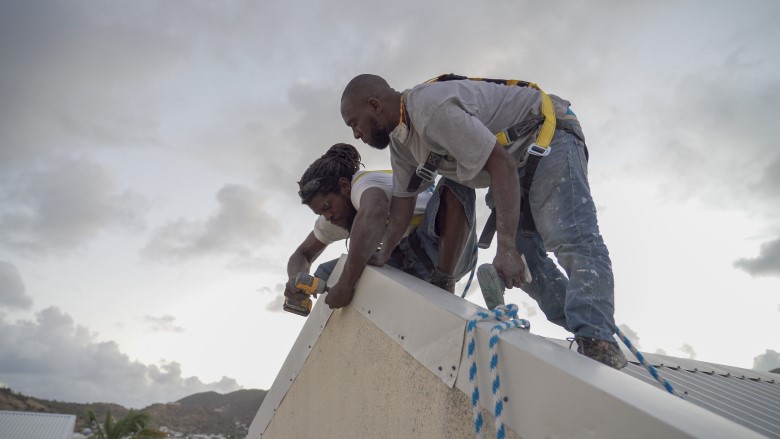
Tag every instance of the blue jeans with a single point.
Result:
(419, 255)
(566, 225)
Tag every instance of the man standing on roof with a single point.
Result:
(355, 204)
(451, 127)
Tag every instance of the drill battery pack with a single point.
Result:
(308, 284)
(302, 308)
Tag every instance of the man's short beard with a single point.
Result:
(380, 137)
(379, 141)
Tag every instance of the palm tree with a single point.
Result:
(132, 426)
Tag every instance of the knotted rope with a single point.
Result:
(507, 316)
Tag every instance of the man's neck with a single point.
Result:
(403, 113)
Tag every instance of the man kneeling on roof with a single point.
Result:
(355, 204)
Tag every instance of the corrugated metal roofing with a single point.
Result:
(748, 397)
(31, 425)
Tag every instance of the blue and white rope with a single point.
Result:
(653, 371)
(507, 316)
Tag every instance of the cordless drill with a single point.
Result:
(308, 284)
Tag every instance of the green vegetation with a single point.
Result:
(132, 426)
(205, 413)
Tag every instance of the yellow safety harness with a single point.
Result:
(507, 136)
(536, 151)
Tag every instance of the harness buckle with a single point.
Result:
(427, 173)
(503, 138)
(427, 169)
(537, 150)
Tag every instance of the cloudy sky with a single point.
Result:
(149, 152)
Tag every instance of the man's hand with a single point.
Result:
(339, 295)
(293, 293)
(300, 262)
(511, 267)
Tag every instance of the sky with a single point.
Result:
(149, 152)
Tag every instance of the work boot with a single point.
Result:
(602, 351)
(443, 280)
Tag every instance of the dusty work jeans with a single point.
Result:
(566, 225)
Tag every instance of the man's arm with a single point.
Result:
(401, 213)
(365, 236)
(506, 195)
(301, 261)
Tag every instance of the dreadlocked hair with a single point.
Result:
(341, 160)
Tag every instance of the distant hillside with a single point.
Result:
(210, 412)
(207, 412)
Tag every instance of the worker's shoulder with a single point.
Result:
(372, 176)
(364, 181)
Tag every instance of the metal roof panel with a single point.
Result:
(32, 425)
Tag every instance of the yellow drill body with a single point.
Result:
(308, 284)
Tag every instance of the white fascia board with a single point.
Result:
(405, 309)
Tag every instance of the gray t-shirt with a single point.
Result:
(459, 119)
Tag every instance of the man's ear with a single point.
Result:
(345, 185)
(375, 104)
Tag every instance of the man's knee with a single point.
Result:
(451, 212)
(441, 212)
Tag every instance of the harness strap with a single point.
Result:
(427, 170)
(527, 223)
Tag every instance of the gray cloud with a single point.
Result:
(275, 305)
(527, 309)
(631, 334)
(13, 293)
(688, 350)
(73, 74)
(54, 358)
(164, 323)
(769, 360)
(237, 229)
(722, 149)
(277, 289)
(62, 206)
(313, 98)
(766, 264)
